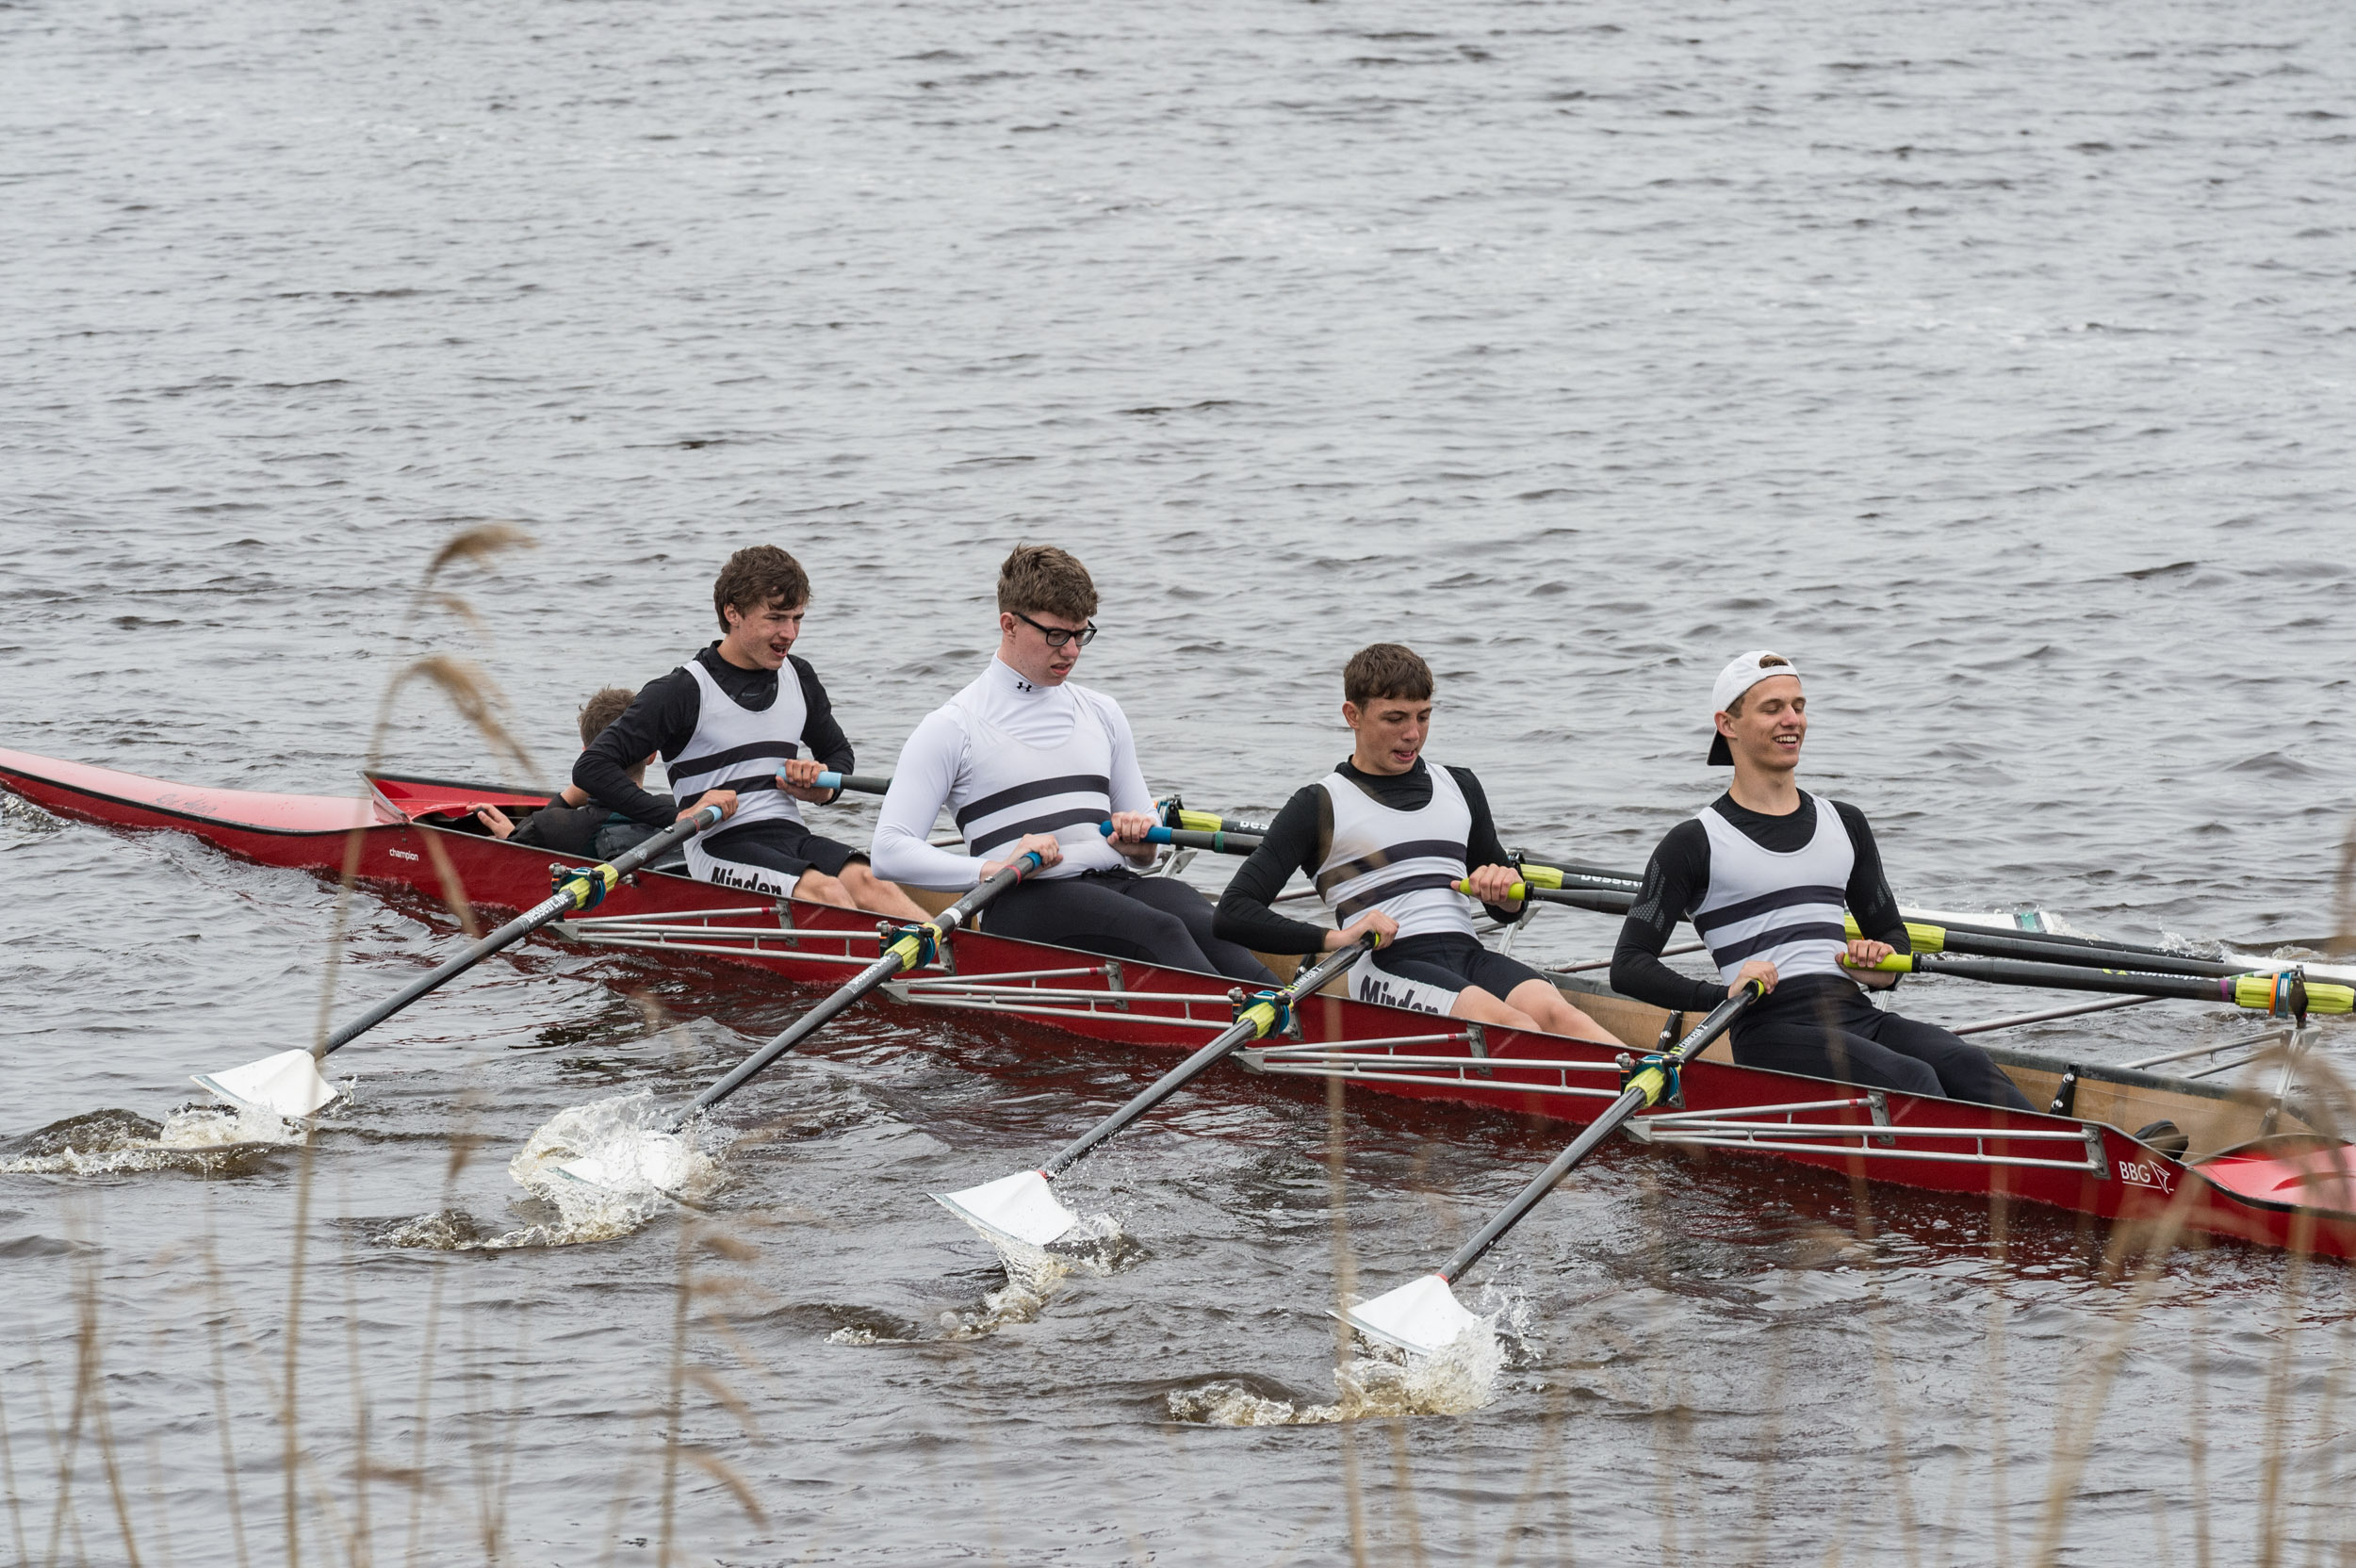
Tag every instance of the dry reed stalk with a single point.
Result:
(2000, 1239)
(359, 1550)
(1884, 1368)
(1763, 1511)
(289, 1427)
(2327, 1432)
(1667, 1392)
(2278, 1397)
(1345, 1290)
(7, 1482)
(1545, 1453)
(453, 888)
(1404, 1482)
(213, 1321)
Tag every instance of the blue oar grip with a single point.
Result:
(1154, 835)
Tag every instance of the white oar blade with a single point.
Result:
(1423, 1318)
(1022, 1207)
(288, 1084)
(641, 1159)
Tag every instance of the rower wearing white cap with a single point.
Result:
(1764, 872)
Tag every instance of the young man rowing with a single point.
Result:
(1763, 874)
(730, 731)
(1387, 838)
(1026, 760)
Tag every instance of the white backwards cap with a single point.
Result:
(1746, 671)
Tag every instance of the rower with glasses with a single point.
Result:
(1026, 760)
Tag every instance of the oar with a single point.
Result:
(1024, 1208)
(289, 1084)
(1425, 1317)
(866, 784)
(658, 1157)
(2282, 993)
(1176, 815)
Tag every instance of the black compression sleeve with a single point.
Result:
(819, 732)
(1289, 845)
(1481, 846)
(1870, 898)
(662, 719)
(1674, 879)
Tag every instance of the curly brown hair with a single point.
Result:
(757, 578)
(606, 705)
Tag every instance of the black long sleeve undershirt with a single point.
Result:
(1678, 876)
(662, 720)
(1299, 839)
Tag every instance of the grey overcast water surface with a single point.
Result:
(1991, 359)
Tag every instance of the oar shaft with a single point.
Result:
(1256, 1021)
(2264, 992)
(904, 953)
(866, 784)
(1217, 841)
(568, 897)
(1646, 1088)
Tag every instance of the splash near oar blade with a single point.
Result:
(1423, 1318)
(288, 1084)
(645, 1157)
(1022, 1207)
(282, 1084)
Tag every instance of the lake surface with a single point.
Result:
(1990, 359)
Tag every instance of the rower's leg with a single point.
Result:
(816, 887)
(1553, 1012)
(1193, 912)
(871, 892)
(1821, 1048)
(1476, 1005)
(1965, 1071)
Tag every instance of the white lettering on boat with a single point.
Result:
(401, 855)
(2140, 1173)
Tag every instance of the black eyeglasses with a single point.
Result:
(1057, 636)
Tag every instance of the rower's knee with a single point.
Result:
(1475, 1005)
(1553, 1013)
(816, 887)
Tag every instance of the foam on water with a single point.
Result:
(201, 1139)
(1459, 1379)
(1096, 1245)
(607, 1130)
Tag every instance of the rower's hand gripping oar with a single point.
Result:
(1425, 1317)
(658, 1157)
(289, 1084)
(1023, 1207)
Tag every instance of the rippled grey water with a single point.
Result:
(1990, 358)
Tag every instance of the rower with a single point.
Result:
(571, 822)
(1026, 760)
(1386, 837)
(730, 732)
(1763, 872)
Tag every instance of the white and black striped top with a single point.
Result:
(1405, 862)
(1009, 757)
(735, 748)
(1786, 908)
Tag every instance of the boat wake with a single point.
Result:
(197, 1140)
(614, 1135)
(1385, 1382)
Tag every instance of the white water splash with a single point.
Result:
(1094, 1246)
(1459, 1379)
(611, 1133)
(199, 1139)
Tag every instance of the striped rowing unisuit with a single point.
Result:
(1786, 908)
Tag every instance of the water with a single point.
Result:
(1989, 359)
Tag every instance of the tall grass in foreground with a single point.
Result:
(351, 1492)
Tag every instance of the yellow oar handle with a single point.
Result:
(1926, 938)
(1513, 894)
(2267, 993)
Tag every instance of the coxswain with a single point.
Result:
(730, 732)
(1025, 759)
(1385, 838)
(1764, 872)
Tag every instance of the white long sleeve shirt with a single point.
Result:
(1007, 757)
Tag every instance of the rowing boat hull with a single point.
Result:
(409, 833)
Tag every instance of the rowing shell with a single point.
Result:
(2286, 1186)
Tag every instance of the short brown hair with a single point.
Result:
(1042, 580)
(1766, 662)
(598, 714)
(757, 578)
(1385, 670)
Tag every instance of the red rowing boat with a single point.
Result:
(2250, 1169)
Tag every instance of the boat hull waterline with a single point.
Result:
(2287, 1186)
